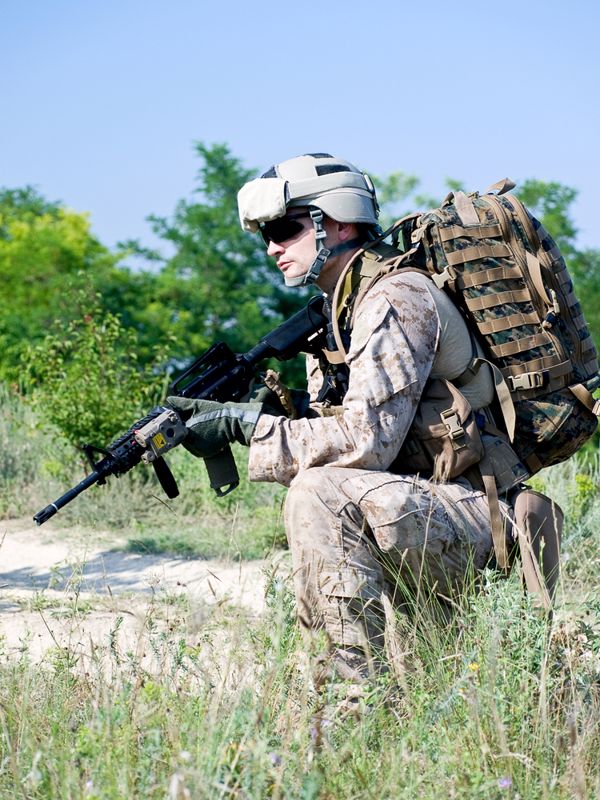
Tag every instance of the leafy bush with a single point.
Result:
(85, 379)
(47, 253)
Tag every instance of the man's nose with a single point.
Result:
(274, 249)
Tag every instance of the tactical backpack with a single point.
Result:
(506, 274)
(507, 277)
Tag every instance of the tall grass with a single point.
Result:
(499, 703)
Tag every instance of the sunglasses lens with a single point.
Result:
(280, 230)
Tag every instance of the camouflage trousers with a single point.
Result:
(359, 539)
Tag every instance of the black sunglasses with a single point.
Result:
(282, 229)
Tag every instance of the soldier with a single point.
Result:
(360, 523)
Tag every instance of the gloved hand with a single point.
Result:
(279, 399)
(213, 426)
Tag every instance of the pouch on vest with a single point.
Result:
(443, 440)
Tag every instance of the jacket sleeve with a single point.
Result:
(394, 341)
(314, 376)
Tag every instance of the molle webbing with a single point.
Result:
(481, 231)
(501, 298)
(484, 276)
(476, 252)
(519, 345)
(524, 300)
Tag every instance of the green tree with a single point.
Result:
(551, 203)
(585, 268)
(219, 284)
(46, 254)
(85, 377)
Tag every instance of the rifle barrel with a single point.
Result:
(50, 510)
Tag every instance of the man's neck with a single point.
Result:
(332, 270)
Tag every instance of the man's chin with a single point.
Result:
(299, 280)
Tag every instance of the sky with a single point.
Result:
(102, 102)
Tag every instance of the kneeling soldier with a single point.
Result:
(361, 520)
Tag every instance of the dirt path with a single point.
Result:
(71, 589)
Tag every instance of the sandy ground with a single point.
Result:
(72, 590)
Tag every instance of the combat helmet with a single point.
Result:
(326, 185)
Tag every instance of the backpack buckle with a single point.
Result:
(441, 278)
(452, 424)
(528, 380)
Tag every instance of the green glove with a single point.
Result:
(213, 426)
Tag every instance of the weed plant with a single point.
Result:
(30, 459)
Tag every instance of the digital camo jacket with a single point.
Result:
(391, 355)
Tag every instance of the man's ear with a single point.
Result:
(346, 231)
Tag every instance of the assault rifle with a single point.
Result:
(219, 374)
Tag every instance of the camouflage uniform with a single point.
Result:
(353, 527)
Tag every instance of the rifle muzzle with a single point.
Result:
(45, 514)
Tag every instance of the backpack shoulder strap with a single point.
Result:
(363, 271)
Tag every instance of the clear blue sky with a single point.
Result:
(101, 101)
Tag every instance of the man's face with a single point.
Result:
(291, 242)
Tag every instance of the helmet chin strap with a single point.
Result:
(323, 253)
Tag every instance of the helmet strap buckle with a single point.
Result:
(323, 253)
(316, 216)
